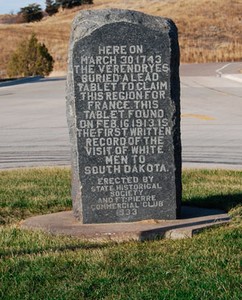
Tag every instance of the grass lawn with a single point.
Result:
(35, 265)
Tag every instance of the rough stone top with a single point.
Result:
(88, 21)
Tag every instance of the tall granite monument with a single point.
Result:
(123, 109)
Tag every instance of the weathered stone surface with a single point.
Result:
(123, 108)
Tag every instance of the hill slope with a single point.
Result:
(209, 30)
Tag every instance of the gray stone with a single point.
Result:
(123, 110)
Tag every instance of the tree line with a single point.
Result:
(33, 12)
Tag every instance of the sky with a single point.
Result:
(9, 6)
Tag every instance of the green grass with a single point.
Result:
(35, 265)
(213, 188)
(27, 192)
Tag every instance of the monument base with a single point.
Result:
(192, 221)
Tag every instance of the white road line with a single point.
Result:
(218, 71)
(237, 77)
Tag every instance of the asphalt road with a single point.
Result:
(33, 128)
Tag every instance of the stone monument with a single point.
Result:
(123, 110)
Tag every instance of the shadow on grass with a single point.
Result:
(52, 249)
(217, 202)
(224, 202)
(31, 79)
(211, 207)
(59, 78)
(17, 81)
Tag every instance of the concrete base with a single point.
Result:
(193, 220)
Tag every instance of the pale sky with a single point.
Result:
(8, 6)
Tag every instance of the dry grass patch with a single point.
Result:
(210, 31)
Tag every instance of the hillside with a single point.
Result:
(209, 30)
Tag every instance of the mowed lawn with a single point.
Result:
(36, 265)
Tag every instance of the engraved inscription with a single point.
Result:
(123, 113)
(122, 125)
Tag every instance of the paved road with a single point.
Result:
(33, 129)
